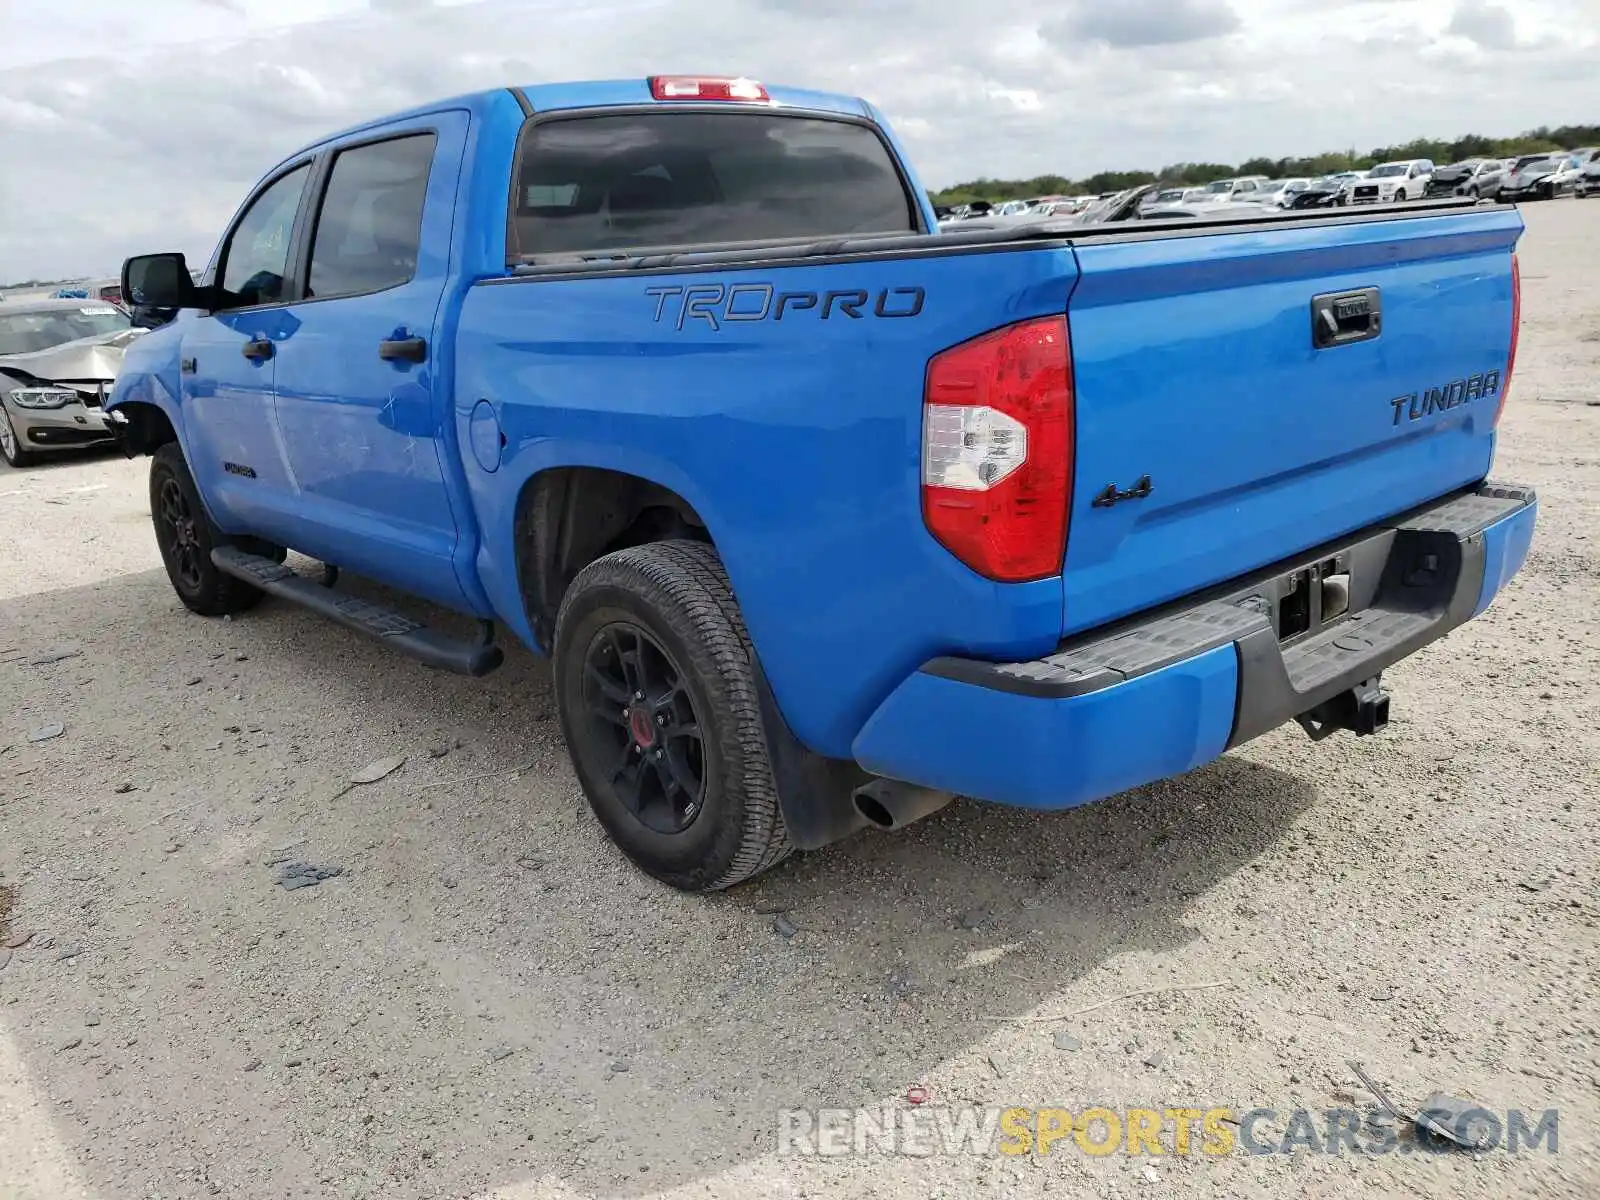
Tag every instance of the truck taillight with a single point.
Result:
(997, 450)
(705, 87)
(1516, 335)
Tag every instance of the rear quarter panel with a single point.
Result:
(797, 440)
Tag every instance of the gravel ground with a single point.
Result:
(488, 1002)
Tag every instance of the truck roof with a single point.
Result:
(603, 93)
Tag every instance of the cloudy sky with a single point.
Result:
(131, 127)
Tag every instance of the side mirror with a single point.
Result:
(159, 281)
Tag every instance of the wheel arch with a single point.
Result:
(142, 427)
(569, 513)
(568, 516)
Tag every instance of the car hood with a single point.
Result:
(1447, 173)
(1528, 174)
(96, 357)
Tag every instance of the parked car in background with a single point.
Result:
(1291, 188)
(1486, 183)
(58, 360)
(1469, 177)
(1347, 181)
(1223, 189)
(1232, 209)
(1589, 175)
(1273, 192)
(109, 290)
(1322, 192)
(1393, 182)
(1541, 177)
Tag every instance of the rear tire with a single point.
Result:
(11, 444)
(186, 536)
(655, 683)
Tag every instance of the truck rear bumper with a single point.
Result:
(1167, 691)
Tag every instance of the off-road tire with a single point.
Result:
(201, 587)
(677, 593)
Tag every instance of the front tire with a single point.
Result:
(186, 536)
(11, 444)
(656, 687)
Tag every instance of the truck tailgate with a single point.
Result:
(1197, 367)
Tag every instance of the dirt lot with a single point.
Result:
(489, 1002)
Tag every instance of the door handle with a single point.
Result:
(189, 366)
(406, 349)
(258, 349)
(1340, 318)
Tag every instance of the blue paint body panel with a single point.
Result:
(798, 441)
(1505, 548)
(1034, 753)
(1198, 369)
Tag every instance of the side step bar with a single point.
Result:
(393, 629)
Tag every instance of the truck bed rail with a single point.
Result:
(1026, 235)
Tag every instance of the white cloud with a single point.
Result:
(139, 127)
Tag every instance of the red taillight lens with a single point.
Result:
(1516, 336)
(701, 87)
(997, 450)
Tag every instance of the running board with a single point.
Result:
(393, 629)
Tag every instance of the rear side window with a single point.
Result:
(370, 226)
(696, 178)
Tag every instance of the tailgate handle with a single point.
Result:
(1340, 318)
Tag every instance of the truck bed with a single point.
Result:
(779, 389)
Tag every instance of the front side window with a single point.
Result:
(699, 178)
(369, 230)
(256, 261)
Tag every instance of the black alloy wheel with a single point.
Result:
(660, 702)
(641, 717)
(185, 535)
(175, 526)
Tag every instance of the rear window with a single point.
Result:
(696, 178)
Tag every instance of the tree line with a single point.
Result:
(1193, 174)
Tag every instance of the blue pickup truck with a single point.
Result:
(825, 516)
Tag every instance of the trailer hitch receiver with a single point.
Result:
(1363, 709)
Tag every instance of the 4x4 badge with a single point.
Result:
(1112, 495)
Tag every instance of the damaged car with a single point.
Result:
(58, 360)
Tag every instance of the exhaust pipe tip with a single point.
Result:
(888, 804)
(874, 811)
